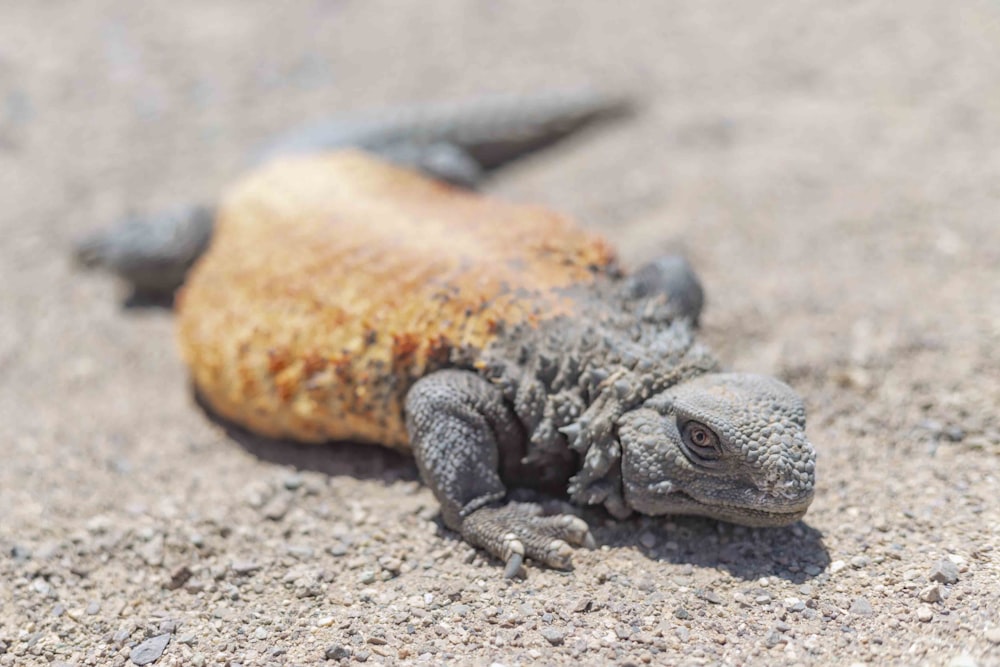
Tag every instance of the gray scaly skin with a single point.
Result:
(459, 142)
(619, 407)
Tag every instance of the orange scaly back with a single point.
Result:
(335, 281)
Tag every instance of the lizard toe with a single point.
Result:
(516, 531)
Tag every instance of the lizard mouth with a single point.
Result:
(783, 514)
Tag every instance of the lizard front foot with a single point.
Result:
(518, 530)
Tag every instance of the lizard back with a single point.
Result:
(333, 282)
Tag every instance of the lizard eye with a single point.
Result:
(701, 441)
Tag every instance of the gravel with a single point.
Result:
(831, 174)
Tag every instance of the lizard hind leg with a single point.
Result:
(151, 253)
(466, 440)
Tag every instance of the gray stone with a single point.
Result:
(554, 636)
(245, 567)
(859, 562)
(931, 594)
(150, 650)
(954, 434)
(944, 571)
(710, 596)
(278, 506)
(337, 652)
(861, 607)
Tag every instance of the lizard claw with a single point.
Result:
(513, 565)
(517, 530)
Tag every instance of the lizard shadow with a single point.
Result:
(795, 553)
(351, 459)
(138, 300)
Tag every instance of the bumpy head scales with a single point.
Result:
(729, 446)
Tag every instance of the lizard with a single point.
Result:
(342, 298)
(461, 142)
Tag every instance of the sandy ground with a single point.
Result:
(832, 169)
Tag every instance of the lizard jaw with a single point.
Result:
(680, 502)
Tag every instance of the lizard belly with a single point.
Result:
(333, 282)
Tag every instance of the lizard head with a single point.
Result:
(729, 446)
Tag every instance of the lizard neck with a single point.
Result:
(570, 378)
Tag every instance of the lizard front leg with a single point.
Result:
(466, 439)
(672, 278)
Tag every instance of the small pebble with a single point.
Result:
(861, 607)
(245, 567)
(924, 614)
(711, 596)
(836, 566)
(944, 571)
(648, 540)
(682, 613)
(954, 434)
(298, 551)
(152, 551)
(992, 635)
(277, 507)
(931, 594)
(293, 482)
(178, 578)
(553, 636)
(149, 650)
(336, 652)
(860, 562)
